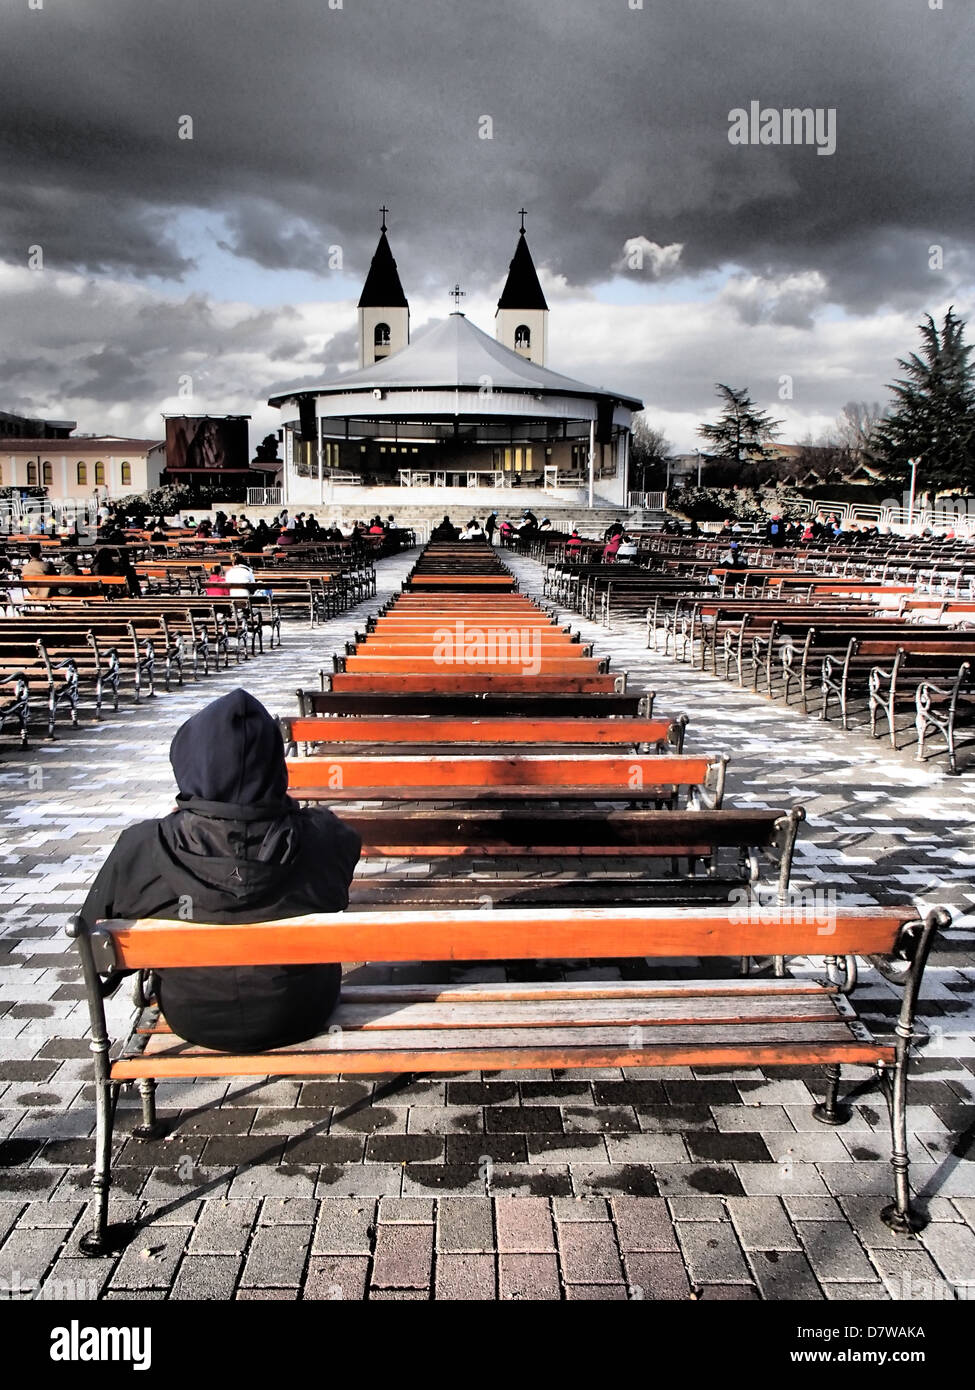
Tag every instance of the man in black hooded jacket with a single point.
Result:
(236, 849)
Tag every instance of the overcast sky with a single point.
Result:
(209, 258)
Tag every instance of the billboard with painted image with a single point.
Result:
(201, 443)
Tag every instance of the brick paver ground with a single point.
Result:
(594, 1185)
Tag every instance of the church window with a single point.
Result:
(82, 475)
(32, 475)
(381, 337)
(523, 337)
(126, 475)
(48, 474)
(99, 474)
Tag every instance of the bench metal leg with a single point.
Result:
(21, 709)
(96, 1241)
(899, 1214)
(828, 1112)
(151, 1127)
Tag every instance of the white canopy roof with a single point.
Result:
(454, 354)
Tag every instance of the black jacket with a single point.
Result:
(236, 849)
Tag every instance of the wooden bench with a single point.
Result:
(63, 647)
(580, 777)
(15, 703)
(475, 703)
(942, 707)
(940, 651)
(618, 856)
(896, 685)
(57, 675)
(461, 1028)
(98, 650)
(459, 733)
(709, 623)
(455, 682)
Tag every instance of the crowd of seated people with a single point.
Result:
(106, 562)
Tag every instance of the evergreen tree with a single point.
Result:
(932, 417)
(743, 431)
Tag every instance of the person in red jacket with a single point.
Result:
(217, 586)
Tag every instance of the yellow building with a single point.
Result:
(79, 469)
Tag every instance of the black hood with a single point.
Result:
(235, 834)
(230, 756)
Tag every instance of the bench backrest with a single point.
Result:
(608, 732)
(487, 655)
(631, 773)
(479, 683)
(501, 934)
(473, 703)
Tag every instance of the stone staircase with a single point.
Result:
(647, 518)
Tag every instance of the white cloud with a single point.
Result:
(787, 299)
(641, 254)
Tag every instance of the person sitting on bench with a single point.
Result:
(611, 548)
(627, 551)
(217, 586)
(236, 849)
(237, 576)
(69, 567)
(36, 565)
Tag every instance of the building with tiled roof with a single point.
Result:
(82, 467)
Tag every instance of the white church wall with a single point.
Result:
(507, 322)
(398, 321)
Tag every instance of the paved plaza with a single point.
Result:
(614, 1184)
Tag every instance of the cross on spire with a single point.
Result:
(457, 294)
(522, 213)
(382, 212)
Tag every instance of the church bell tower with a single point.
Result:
(521, 321)
(384, 313)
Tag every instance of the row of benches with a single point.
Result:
(59, 651)
(508, 744)
(920, 660)
(323, 594)
(886, 643)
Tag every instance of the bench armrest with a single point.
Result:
(710, 794)
(944, 692)
(879, 674)
(905, 965)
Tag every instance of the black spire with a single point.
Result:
(522, 289)
(382, 289)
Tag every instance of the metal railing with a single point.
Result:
(946, 515)
(265, 496)
(649, 501)
(42, 514)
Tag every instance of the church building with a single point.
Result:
(456, 408)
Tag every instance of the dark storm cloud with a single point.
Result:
(107, 375)
(609, 123)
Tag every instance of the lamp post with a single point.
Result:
(698, 452)
(910, 511)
